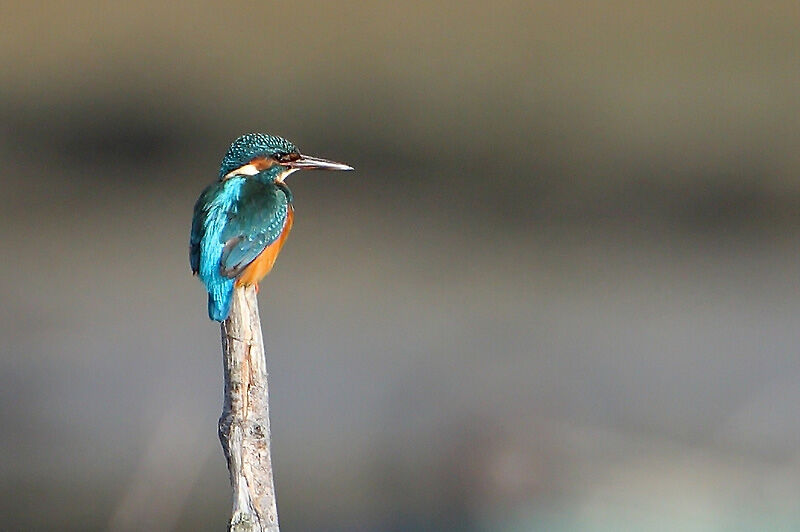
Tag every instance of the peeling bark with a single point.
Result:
(244, 425)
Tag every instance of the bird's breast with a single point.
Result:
(263, 263)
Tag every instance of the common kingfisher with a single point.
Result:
(241, 221)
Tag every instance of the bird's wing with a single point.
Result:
(256, 222)
(198, 227)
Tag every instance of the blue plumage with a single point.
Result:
(246, 147)
(206, 246)
(237, 218)
(234, 221)
(261, 215)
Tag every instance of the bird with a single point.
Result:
(242, 220)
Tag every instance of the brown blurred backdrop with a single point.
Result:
(559, 293)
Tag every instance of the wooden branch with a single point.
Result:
(244, 424)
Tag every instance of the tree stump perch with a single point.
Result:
(244, 429)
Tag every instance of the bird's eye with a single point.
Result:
(288, 157)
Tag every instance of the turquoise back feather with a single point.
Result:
(206, 246)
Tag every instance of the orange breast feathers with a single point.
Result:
(261, 265)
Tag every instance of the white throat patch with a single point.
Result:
(287, 173)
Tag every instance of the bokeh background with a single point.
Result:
(560, 292)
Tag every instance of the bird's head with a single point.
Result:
(271, 157)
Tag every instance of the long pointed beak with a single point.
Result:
(315, 163)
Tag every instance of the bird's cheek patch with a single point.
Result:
(259, 164)
(263, 163)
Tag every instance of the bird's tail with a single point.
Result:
(219, 301)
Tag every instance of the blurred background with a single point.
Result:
(560, 292)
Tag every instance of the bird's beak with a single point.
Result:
(315, 163)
